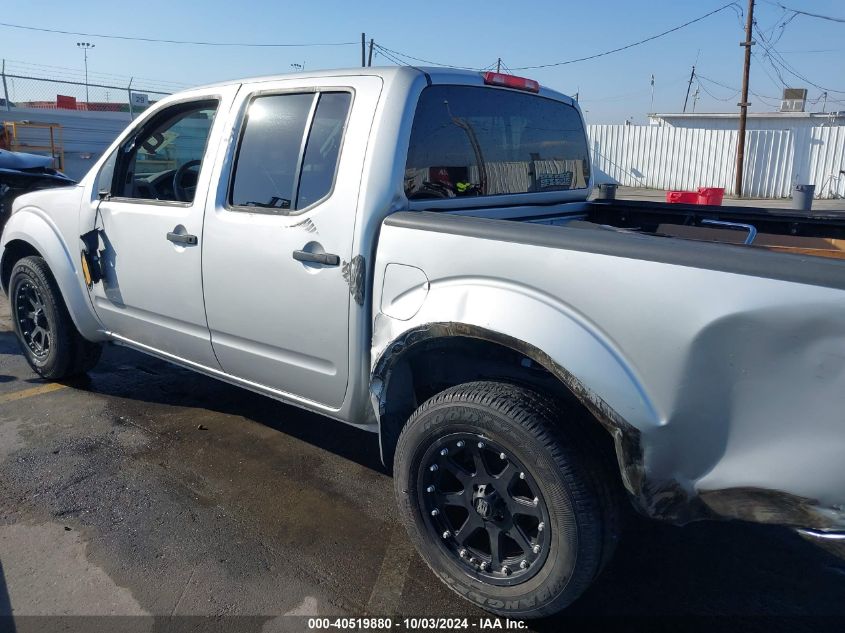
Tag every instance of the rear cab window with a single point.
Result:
(480, 141)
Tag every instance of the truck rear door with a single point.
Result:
(278, 234)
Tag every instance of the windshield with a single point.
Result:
(475, 141)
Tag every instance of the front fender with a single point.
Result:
(32, 226)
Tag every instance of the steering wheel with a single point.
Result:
(179, 190)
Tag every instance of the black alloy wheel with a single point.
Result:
(506, 496)
(47, 335)
(32, 320)
(485, 508)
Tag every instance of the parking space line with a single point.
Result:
(33, 391)
(386, 595)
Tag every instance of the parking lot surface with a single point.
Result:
(146, 489)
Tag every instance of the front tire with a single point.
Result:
(502, 498)
(47, 335)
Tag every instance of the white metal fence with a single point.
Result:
(680, 158)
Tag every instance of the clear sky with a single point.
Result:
(469, 33)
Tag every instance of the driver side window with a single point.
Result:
(162, 162)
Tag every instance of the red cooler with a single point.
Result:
(682, 197)
(711, 195)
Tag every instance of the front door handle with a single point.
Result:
(327, 259)
(182, 238)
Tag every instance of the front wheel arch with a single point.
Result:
(14, 251)
(49, 340)
(30, 232)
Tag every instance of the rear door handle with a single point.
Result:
(327, 259)
(182, 238)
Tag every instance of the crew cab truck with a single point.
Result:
(411, 251)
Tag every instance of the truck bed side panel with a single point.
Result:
(721, 369)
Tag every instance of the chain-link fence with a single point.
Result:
(67, 113)
(29, 86)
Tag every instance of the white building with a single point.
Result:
(756, 120)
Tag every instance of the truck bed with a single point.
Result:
(759, 228)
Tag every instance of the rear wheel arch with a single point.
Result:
(427, 361)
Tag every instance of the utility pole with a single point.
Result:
(689, 85)
(651, 107)
(363, 50)
(370, 56)
(824, 103)
(85, 46)
(743, 105)
(499, 65)
(695, 99)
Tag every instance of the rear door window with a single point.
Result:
(289, 149)
(265, 171)
(474, 141)
(323, 149)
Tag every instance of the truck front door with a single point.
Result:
(155, 187)
(278, 250)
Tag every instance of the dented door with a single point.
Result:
(278, 268)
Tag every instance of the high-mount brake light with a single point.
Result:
(511, 81)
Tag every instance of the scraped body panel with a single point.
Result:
(722, 388)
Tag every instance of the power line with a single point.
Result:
(390, 57)
(718, 83)
(506, 67)
(572, 61)
(807, 13)
(632, 45)
(162, 41)
(419, 59)
(727, 87)
(760, 60)
(813, 50)
(767, 100)
(706, 91)
(774, 56)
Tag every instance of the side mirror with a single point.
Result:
(103, 195)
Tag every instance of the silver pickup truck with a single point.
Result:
(411, 251)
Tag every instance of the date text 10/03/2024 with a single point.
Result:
(417, 624)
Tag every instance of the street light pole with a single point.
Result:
(85, 46)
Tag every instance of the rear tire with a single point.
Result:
(550, 494)
(47, 335)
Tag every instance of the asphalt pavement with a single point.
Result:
(148, 490)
